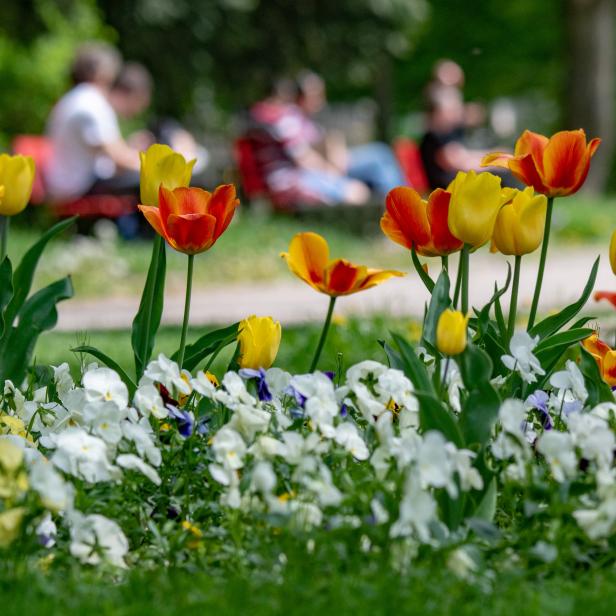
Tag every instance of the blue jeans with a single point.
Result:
(375, 165)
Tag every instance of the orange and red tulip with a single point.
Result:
(192, 219)
(308, 258)
(604, 356)
(555, 166)
(411, 221)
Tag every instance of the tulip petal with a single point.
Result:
(191, 233)
(525, 169)
(342, 277)
(609, 368)
(610, 296)
(161, 166)
(597, 348)
(405, 221)
(438, 214)
(307, 257)
(188, 201)
(533, 144)
(222, 206)
(375, 277)
(566, 162)
(613, 252)
(152, 215)
(496, 159)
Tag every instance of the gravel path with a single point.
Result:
(291, 301)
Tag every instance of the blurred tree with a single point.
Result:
(590, 79)
(229, 50)
(37, 41)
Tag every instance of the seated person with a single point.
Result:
(83, 127)
(299, 158)
(442, 147)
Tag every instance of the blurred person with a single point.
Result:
(282, 136)
(374, 164)
(442, 147)
(88, 147)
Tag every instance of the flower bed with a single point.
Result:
(484, 442)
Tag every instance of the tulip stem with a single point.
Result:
(4, 236)
(456, 295)
(189, 277)
(542, 259)
(328, 320)
(425, 277)
(513, 305)
(465, 272)
(445, 263)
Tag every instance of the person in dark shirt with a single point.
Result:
(442, 148)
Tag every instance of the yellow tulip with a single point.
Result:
(160, 165)
(259, 339)
(451, 332)
(613, 252)
(476, 199)
(16, 178)
(10, 523)
(520, 222)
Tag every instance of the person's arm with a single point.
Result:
(122, 155)
(454, 156)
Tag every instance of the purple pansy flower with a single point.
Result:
(263, 391)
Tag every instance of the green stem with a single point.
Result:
(189, 277)
(513, 305)
(156, 248)
(328, 320)
(4, 236)
(456, 295)
(445, 262)
(425, 278)
(465, 272)
(542, 259)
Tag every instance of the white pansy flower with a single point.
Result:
(348, 437)
(166, 372)
(46, 531)
(229, 448)
(149, 401)
(140, 433)
(63, 379)
(417, 512)
(96, 539)
(104, 384)
(82, 455)
(104, 419)
(570, 379)
(558, 450)
(132, 462)
(249, 420)
(522, 359)
(55, 493)
(263, 479)
(434, 463)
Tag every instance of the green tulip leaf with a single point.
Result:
(206, 345)
(110, 363)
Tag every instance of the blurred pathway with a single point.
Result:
(291, 301)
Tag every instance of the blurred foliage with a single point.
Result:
(209, 57)
(37, 41)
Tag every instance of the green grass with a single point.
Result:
(308, 586)
(355, 340)
(249, 250)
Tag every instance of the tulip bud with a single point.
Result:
(451, 332)
(161, 166)
(613, 252)
(259, 339)
(520, 222)
(475, 201)
(17, 177)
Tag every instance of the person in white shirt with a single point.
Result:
(83, 127)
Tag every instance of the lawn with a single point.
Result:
(249, 250)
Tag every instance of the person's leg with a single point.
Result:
(332, 189)
(376, 165)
